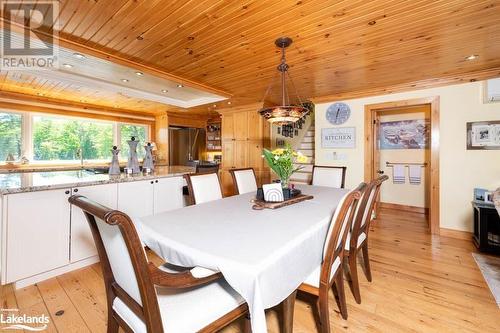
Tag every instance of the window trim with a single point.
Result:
(27, 120)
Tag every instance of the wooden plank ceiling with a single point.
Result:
(340, 47)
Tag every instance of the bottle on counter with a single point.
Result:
(133, 162)
(148, 163)
(114, 168)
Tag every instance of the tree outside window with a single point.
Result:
(128, 131)
(61, 139)
(10, 135)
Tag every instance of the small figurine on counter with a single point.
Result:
(133, 162)
(114, 168)
(148, 163)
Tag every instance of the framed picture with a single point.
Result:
(483, 135)
(404, 134)
(339, 137)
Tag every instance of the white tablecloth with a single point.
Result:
(264, 255)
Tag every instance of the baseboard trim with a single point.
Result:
(457, 234)
(412, 209)
(55, 272)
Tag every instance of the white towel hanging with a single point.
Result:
(415, 174)
(398, 174)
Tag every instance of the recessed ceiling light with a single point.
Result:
(180, 86)
(125, 80)
(229, 103)
(472, 57)
(215, 105)
(139, 73)
(164, 91)
(68, 65)
(79, 56)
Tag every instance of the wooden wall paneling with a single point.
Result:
(161, 138)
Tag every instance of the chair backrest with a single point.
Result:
(207, 168)
(337, 232)
(244, 180)
(364, 211)
(123, 261)
(329, 176)
(203, 187)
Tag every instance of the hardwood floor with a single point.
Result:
(421, 283)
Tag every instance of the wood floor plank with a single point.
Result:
(66, 317)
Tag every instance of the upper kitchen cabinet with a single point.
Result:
(244, 134)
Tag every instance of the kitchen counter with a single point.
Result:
(19, 182)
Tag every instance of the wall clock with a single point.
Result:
(338, 113)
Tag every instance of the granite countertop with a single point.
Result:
(48, 180)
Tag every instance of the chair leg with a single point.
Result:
(340, 295)
(288, 307)
(366, 262)
(324, 313)
(113, 325)
(353, 276)
(247, 327)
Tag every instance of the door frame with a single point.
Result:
(371, 111)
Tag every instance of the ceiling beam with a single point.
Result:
(23, 102)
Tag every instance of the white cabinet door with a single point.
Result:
(37, 232)
(168, 194)
(136, 198)
(82, 242)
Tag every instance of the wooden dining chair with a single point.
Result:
(357, 240)
(203, 187)
(143, 298)
(329, 274)
(330, 176)
(244, 180)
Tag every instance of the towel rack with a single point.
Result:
(390, 164)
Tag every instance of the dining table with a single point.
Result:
(263, 254)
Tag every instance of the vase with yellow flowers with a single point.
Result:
(281, 161)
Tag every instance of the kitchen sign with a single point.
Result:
(340, 137)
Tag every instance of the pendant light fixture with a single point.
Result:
(287, 112)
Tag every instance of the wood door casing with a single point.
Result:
(370, 115)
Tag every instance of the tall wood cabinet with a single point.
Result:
(244, 134)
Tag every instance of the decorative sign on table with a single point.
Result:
(483, 135)
(339, 137)
(273, 192)
(404, 134)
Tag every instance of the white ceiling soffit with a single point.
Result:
(108, 76)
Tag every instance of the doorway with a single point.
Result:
(403, 148)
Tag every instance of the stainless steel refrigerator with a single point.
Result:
(185, 145)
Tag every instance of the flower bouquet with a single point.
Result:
(281, 161)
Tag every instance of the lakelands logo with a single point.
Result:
(29, 35)
(10, 319)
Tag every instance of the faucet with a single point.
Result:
(79, 153)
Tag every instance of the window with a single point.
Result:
(59, 139)
(56, 138)
(139, 132)
(10, 135)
